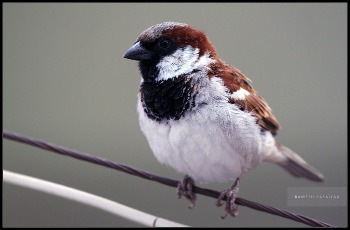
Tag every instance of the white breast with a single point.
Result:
(215, 142)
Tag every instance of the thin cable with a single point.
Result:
(150, 176)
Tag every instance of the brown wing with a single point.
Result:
(234, 80)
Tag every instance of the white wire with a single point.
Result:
(88, 199)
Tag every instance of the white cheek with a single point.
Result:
(182, 61)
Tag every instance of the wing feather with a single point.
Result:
(245, 96)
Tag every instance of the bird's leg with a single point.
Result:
(231, 195)
(184, 188)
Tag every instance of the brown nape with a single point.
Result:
(184, 36)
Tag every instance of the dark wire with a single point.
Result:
(150, 176)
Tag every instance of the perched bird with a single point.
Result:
(202, 116)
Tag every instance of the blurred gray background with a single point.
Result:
(65, 81)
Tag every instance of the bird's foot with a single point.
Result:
(185, 188)
(230, 195)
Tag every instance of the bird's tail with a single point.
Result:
(293, 163)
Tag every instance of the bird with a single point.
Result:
(202, 116)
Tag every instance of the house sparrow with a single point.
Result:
(201, 116)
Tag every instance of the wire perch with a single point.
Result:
(150, 176)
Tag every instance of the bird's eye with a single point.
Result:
(164, 44)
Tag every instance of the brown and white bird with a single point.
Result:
(201, 116)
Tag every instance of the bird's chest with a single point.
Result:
(206, 144)
(167, 99)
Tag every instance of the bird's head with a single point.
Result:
(170, 49)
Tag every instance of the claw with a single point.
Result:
(185, 188)
(230, 195)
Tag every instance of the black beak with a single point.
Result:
(137, 53)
